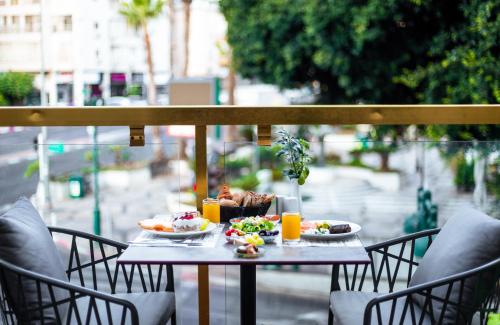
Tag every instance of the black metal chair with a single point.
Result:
(99, 291)
(357, 300)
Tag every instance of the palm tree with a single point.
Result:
(171, 20)
(138, 13)
(187, 22)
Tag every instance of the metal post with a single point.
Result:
(95, 171)
(43, 155)
(248, 294)
(201, 193)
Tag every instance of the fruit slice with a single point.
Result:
(205, 224)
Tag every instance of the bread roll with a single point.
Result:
(238, 198)
(228, 203)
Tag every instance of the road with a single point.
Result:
(17, 152)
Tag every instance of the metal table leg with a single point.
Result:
(248, 312)
(335, 286)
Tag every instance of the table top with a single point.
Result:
(222, 254)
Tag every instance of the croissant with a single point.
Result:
(225, 193)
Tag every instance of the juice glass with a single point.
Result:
(290, 226)
(211, 210)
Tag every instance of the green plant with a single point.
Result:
(295, 152)
(32, 169)
(3, 101)
(15, 86)
(493, 319)
(247, 182)
(464, 174)
(134, 90)
(237, 163)
(121, 154)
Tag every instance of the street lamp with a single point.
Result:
(43, 155)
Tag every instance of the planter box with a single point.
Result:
(122, 179)
(388, 181)
(59, 191)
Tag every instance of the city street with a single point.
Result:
(17, 151)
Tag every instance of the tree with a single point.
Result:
(374, 51)
(3, 101)
(187, 23)
(15, 87)
(172, 24)
(138, 13)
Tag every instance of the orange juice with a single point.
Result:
(290, 226)
(211, 210)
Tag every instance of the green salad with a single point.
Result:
(253, 224)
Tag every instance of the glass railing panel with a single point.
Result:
(374, 184)
(132, 186)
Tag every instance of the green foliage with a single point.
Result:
(3, 101)
(493, 319)
(15, 87)
(237, 163)
(464, 176)
(247, 182)
(374, 51)
(121, 154)
(134, 90)
(32, 169)
(295, 152)
(353, 49)
(138, 12)
(493, 183)
(462, 60)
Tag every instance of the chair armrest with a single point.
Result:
(72, 292)
(486, 298)
(388, 257)
(385, 262)
(92, 262)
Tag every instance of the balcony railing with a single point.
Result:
(264, 117)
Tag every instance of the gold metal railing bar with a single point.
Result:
(251, 115)
(201, 193)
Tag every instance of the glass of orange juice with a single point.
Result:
(211, 210)
(290, 226)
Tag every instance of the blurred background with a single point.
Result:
(251, 52)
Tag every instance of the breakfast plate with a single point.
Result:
(210, 227)
(314, 234)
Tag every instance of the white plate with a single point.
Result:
(211, 227)
(355, 228)
(243, 255)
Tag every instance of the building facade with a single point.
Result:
(86, 48)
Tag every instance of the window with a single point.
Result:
(3, 23)
(14, 24)
(68, 24)
(32, 24)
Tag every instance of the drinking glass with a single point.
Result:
(211, 210)
(290, 226)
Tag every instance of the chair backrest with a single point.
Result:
(26, 243)
(467, 241)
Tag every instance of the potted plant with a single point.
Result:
(295, 152)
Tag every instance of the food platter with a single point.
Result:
(211, 227)
(309, 234)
